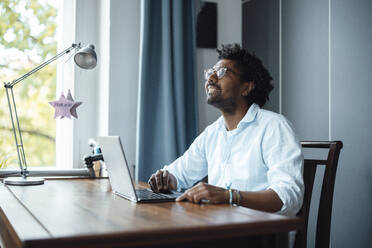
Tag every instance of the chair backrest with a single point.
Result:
(323, 226)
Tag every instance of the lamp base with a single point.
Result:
(21, 181)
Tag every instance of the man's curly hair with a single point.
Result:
(251, 69)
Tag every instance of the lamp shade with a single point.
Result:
(86, 57)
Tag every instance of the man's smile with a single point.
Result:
(212, 87)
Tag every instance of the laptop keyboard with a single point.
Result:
(147, 194)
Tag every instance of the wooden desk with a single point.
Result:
(84, 213)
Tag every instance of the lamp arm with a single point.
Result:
(13, 109)
(67, 50)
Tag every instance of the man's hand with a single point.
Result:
(205, 192)
(162, 181)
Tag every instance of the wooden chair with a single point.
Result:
(326, 198)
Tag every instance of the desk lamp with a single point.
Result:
(85, 58)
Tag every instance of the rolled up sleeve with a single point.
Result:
(283, 157)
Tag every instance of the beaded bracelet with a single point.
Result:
(237, 197)
(228, 187)
(231, 197)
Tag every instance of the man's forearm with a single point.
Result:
(266, 200)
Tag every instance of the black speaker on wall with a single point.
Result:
(206, 26)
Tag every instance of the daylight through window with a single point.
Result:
(28, 38)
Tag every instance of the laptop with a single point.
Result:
(120, 177)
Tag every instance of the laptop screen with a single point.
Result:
(117, 166)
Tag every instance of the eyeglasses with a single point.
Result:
(220, 72)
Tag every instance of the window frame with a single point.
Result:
(72, 135)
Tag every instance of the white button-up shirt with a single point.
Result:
(261, 153)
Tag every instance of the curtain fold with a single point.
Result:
(167, 102)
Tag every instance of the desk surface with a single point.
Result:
(84, 212)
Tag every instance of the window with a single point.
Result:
(29, 31)
(28, 38)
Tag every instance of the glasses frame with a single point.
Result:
(220, 72)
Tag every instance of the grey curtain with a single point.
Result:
(167, 105)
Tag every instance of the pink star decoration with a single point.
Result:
(76, 104)
(65, 107)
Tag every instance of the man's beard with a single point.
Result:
(225, 105)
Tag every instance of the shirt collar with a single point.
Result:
(248, 117)
(251, 114)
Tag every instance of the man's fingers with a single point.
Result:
(159, 180)
(184, 196)
(197, 194)
(201, 195)
(181, 197)
(188, 195)
(165, 178)
(152, 183)
(151, 186)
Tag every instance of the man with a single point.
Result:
(251, 155)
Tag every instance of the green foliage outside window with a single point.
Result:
(28, 38)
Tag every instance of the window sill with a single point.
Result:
(48, 172)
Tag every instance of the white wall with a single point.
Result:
(85, 80)
(326, 81)
(229, 30)
(79, 24)
(103, 50)
(123, 62)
